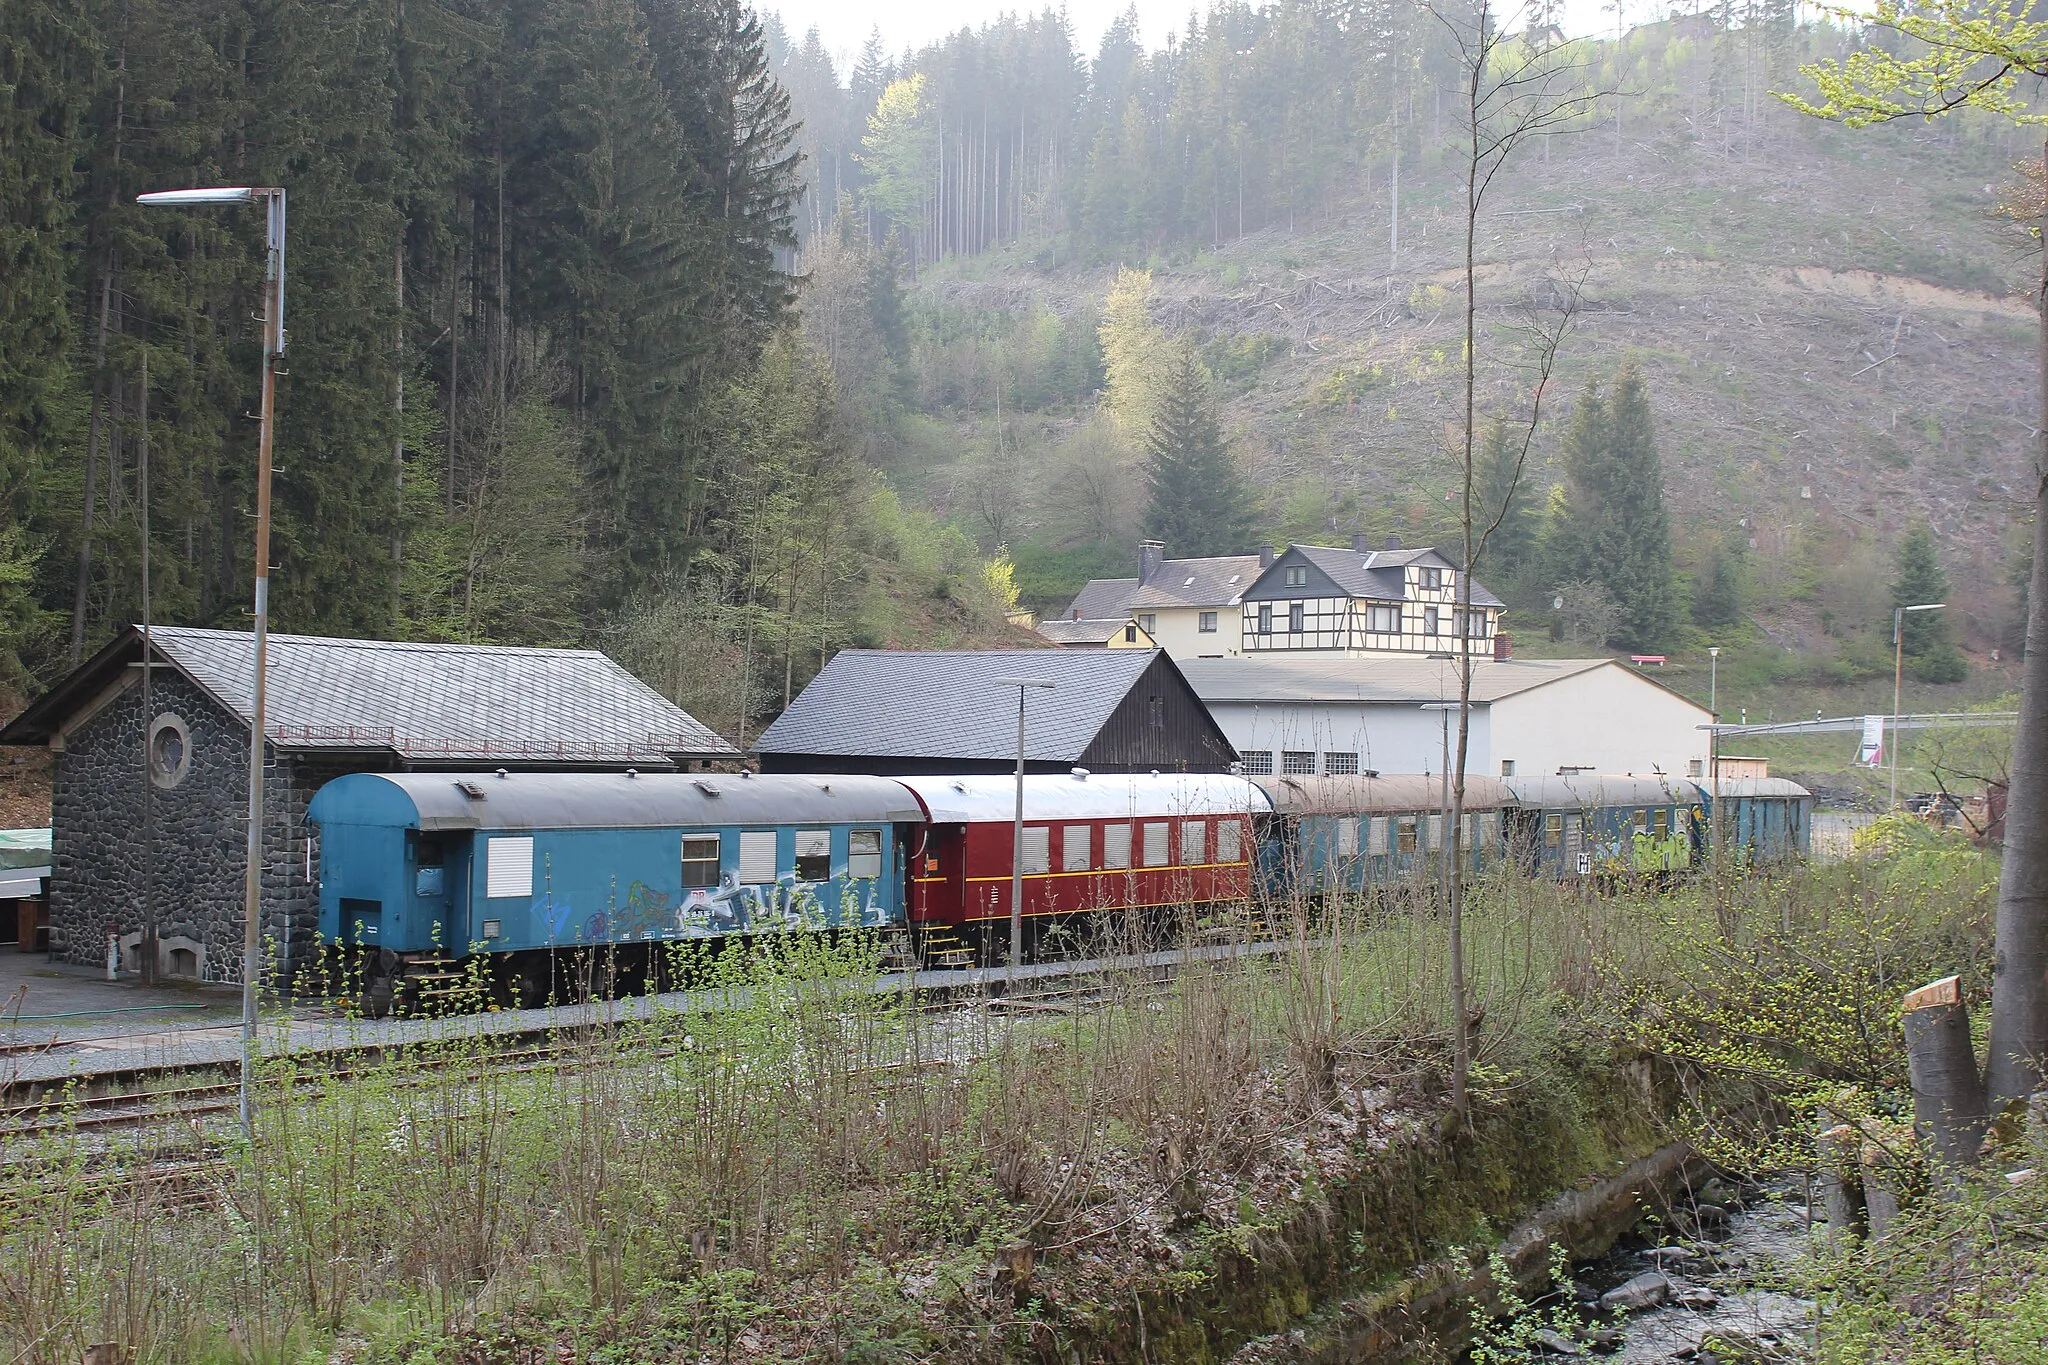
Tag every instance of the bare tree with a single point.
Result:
(1511, 93)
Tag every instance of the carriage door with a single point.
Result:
(942, 875)
(1577, 862)
(430, 900)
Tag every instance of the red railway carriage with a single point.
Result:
(1092, 841)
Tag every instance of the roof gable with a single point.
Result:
(1272, 584)
(426, 702)
(953, 704)
(1378, 575)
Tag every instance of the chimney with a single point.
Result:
(1266, 558)
(1361, 543)
(1503, 647)
(1150, 553)
(1393, 542)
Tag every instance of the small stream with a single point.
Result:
(1727, 1281)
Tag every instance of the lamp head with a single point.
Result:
(241, 194)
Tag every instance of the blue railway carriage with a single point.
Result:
(419, 869)
(1765, 820)
(1340, 835)
(1603, 825)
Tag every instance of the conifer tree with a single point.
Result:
(1615, 531)
(1506, 503)
(1717, 597)
(1199, 504)
(1930, 653)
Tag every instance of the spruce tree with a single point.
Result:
(1615, 531)
(1506, 504)
(1199, 504)
(1930, 653)
(1717, 597)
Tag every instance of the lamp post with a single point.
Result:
(1714, 759)
(1443, 710)
(1898, 675)
(273, 349)
(1023, 686)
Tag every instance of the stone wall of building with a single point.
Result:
(186, 858)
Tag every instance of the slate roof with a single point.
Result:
(1097, 632)
(950, 704)
(1377, 573)
(1210, 582)
(435, 703)
(1101, 599)
(1400, 679)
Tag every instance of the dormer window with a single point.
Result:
(1430, 580)
(1297, 575)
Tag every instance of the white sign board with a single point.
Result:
(1872, 752)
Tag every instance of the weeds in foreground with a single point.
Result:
(795, 1164)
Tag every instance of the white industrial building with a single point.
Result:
(1530, 717)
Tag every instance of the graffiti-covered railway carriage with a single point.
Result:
(423, 868)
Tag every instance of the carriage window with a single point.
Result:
(1404, 834)
(757, 856)
(1194, 840)
(1347, 838)
(1156, 854)
(1258, 762)
(1376, 834)
(1660, 824)
(1074, 848)
(508, 866)
(1436, 832)
(863, 854)
(1642, 822)
(813, 855)
(700, 860)
(1116, 845)
(1229, 841)
(1553, 830)
(1037, 849)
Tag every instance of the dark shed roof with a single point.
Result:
(950, 706)
(426, 703)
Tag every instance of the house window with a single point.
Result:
(1298, 761)
(1340, 765)
(1475, 625)
(1258, 762)
(1150, 622)
(1430, 621)
(1297, 575)
(1229, 841)
(757, 857)
(1156, 854)
(1431, 580)
(1206, 623)
(170, 750)
(1194, 839)
(1074, 848)
(864, 854)
(813, 855)
(1297, 618)
(1265, 619)
(1116, 845)
(1155, 711)
(1131, 634)
(1037, 850)
(1383, 620)
(700, 860)
(1507, 767)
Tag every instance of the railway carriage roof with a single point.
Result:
(973, 799)
(442, 801)
(1754, 786)
(1588, 791)
(1394, 792)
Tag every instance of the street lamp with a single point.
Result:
(1898, 673)
(273, 349)
(1443, 710)
(1714, 757)
(1023, 686)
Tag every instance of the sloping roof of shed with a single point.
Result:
(436, 703)
(614, 800)
(951, 703)
(1408, 679)
(1097, 632)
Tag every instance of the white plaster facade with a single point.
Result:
(1539, 716)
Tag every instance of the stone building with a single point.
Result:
(167, 854)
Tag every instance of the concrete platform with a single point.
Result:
(40, 999)
(102, 1059)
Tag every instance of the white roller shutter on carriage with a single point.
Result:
(757, 856)
(1229, 841)
(1194, 842)
(1155, 844)
(1116, 845)
(508, 866)
(1037, 849)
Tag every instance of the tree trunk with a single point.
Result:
(1948, 1097)
(2019, 982)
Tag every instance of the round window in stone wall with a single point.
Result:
(170, 750)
